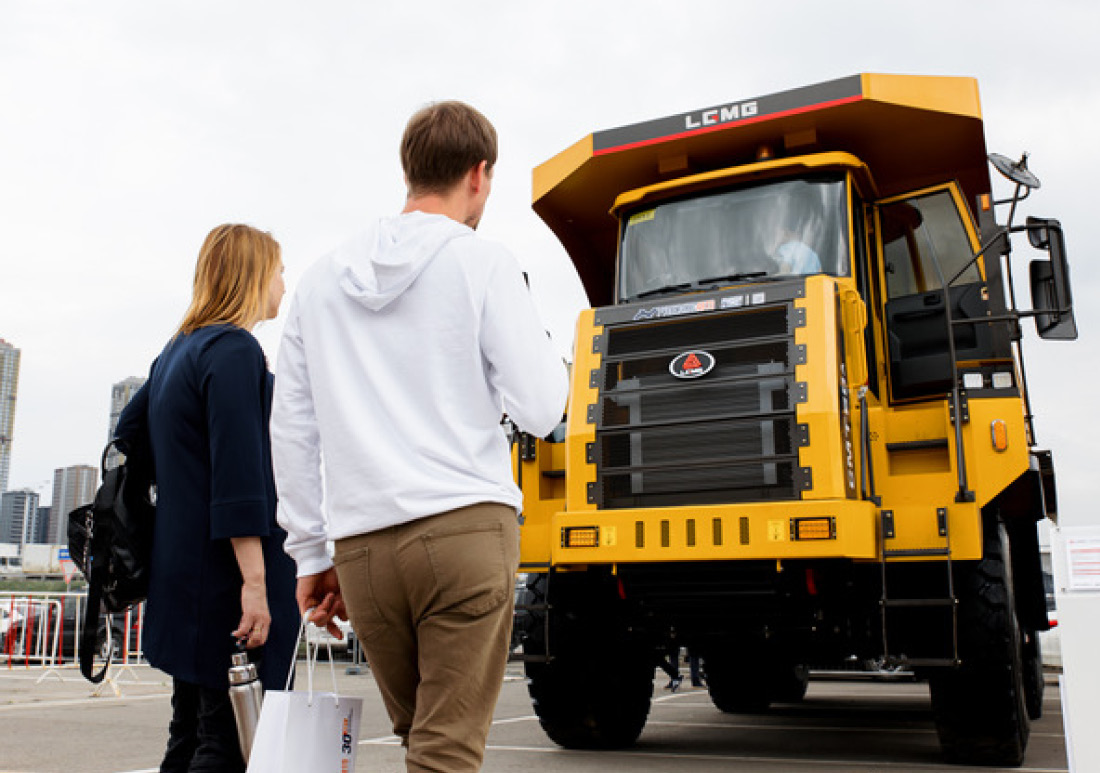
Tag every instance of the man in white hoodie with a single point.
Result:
(401, 352)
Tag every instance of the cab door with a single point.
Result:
(927, 242)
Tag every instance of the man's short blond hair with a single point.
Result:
(442, 142)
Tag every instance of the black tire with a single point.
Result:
(747, 680)
(737, 683)
(108, 646)
(1034, 684)
(979, 707)
(594, 691)
(790, 683)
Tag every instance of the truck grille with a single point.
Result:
(730, 436)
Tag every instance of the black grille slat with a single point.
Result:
(703, 485)
(699, 331)
(684, 479)
(716, 441)
(697, 401)
(728, 437)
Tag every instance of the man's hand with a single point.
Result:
(321, 593)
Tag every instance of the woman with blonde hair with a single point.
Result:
(219, 574)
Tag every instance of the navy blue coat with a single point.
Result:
(205, 411)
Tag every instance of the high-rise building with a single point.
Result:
(120, 396)
(42, 530)
(72, 487)
(18, 516)
(9, 386)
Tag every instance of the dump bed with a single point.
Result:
(911, 131)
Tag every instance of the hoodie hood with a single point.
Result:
(381, 263)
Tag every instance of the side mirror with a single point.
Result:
(1046, 234)
(1051, 297)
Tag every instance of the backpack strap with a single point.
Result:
(86, 649)
(90, 628)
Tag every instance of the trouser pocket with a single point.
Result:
(353, 567)
(473, 563)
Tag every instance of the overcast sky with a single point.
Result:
(130, 128)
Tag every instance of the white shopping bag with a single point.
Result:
(303, 731)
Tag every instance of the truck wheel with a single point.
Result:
(790, 683)
(108, 647)
(594, 692)
(979, 707)
(739, 682)
(1034, 684)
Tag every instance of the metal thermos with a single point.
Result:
(246, 694)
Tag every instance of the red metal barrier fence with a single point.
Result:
(44, 629)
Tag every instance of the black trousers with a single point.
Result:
(202, 736)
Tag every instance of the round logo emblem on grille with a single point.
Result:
(691, 364)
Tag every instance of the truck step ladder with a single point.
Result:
(908, 607)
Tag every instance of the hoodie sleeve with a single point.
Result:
(296, 454)
(524, 366)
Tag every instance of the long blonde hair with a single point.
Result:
(232, 277)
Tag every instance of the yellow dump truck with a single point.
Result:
(799, 435)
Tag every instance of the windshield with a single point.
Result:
(779, 229)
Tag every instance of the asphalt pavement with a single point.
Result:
(52, 721)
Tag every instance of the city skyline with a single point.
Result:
(23, 517)
(121, 393)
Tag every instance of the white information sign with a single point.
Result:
(1082, 561)
(1076, 554)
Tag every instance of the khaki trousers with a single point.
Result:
(431, 602)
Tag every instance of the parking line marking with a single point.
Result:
(815, 728)
(83, 701)
(649, 754)
(387, 740)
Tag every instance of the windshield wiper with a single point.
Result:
(702, 284)
(665, 289)
(734, 277)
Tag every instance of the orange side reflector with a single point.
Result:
(999, 432)
(813, 528)
(580, 537)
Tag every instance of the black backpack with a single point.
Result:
(111, 541)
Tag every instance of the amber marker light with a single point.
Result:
(986, 202)
(580, 537)
(813, 528)
(999, 432)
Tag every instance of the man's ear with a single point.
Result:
(479, 176)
